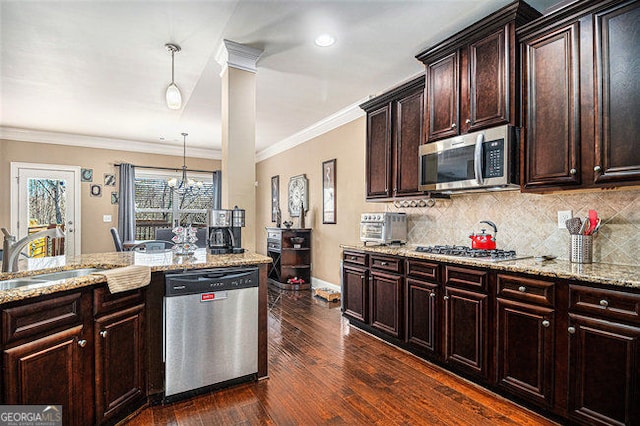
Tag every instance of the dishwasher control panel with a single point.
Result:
(210, 280)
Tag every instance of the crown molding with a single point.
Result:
(70, 139)
(236, 55)
(344, 116)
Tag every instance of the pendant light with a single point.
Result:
(185, 185)
(173, 95)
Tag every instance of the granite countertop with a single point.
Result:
(602, 273)
(164, 261)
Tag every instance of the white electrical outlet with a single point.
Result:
(563, 216)
(106, 218)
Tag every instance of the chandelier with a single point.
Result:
(173, 95)
(185, 185)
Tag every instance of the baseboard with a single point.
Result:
(318, 283)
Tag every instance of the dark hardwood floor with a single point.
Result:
(321, 371)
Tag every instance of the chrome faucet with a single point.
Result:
(11, 248)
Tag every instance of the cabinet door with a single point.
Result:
(552, 109)
(386, 300)
(48, 371)
(617, 49)
(488, 82)
(422, 316)
(379, 153)
(525, 351)
(604, 372)
(467, 331)
(408, 136)
(119, 359)
(442, 97)
(355, 293)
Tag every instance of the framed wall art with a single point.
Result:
(329, 191)
(275, 196)
(298, 195)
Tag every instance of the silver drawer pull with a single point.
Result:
(353, 258)
(103, 334)
(383, 263)
(522, 289)
(546, 323)
(82, 343)
(604, 303)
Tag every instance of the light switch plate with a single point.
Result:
(563, 216)
(106, 218)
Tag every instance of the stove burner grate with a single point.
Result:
(463, 251)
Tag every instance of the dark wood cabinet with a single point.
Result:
(579, 94)
(525, 339)
(386, 302)
(355, 292)
(604, 356)
(394, 134)
(471, 76)
(47, 356)
(119, 362)
(291, 259)
(423, 316)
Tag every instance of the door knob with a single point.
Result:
(468, 121)
(103, 334)
(573, 171)
(546, 323)
(453, 125)
(597, 169)
(571, 330)
(446, 298)
(82, 343)
(432, 294)
(522, 289)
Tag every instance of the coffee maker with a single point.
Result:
(225, 231)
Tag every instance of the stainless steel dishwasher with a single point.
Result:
(210, 328)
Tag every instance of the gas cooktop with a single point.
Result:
(495, 255)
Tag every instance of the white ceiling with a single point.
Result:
(97, 70)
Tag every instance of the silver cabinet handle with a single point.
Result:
(383, 263)
(573, 171)
(546, 323)
(432, 294)
(453, 125)
(571, 330)
(353, 258)
(604, 303)
(597, 169)
(82, 343)
(522, 289)
(468, 121)
(446, 298)
(103, 334)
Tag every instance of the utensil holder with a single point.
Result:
(581, 249)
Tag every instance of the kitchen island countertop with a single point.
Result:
(161, 261)
(601, 273)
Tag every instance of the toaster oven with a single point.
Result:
(383, 228)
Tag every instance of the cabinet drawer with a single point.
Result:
(526, 289)
(104, 301)
(386, 263)
(356, 257)
(273, 245)
(609, 304)
(423, 270)
(466, 278)
(274, 235)
(35, 318)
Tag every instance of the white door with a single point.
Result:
(44, 196)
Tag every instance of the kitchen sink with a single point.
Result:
(44, 279)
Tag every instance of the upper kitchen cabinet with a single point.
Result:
(580, 94)
(394, 133)
(471, 76)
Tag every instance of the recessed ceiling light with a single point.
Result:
(325, 40)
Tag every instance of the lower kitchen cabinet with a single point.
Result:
(386, 302)
(466, 331)
(423, 316)
(47, 355)
(119, 362)
(355, 292)
(525, 351)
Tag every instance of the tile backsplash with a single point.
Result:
(528, 223)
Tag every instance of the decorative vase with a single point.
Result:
(301, 217)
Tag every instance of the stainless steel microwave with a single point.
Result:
(484, 160)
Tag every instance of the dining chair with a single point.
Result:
(117, 241)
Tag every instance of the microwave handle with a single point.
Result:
(477, 159)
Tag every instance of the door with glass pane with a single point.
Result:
(44, 197)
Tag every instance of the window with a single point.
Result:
(157, 205)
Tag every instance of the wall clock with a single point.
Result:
(298, 193)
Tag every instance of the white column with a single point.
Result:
(239, 132)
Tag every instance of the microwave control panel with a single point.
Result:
(493, 159)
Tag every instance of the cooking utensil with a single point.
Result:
(593, 221)
(595, 230)
(573, 225)
(483, 240)
(584, 227)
